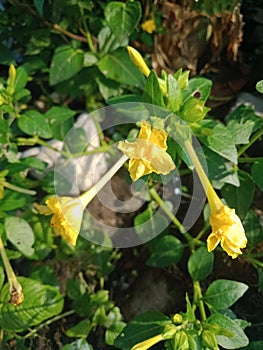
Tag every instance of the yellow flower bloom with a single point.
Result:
(139, 62)
(149, 26)
(227, 230)
(146, 344)
(67, 212)
(67, 217)
(147, 153)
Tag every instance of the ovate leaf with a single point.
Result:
(66, 62)
(238, 338)
(168, 250)
(118, 66)
(143, 327)
(240, 197)
(256, 172)
(122, 17)
(40, 303)
(200, 264)
(222, 293)
(33, 123)
(20, 233)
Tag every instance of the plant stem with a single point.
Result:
(254, 137)
(167, 211)
(48, 322)
(198, 300)
(191, 241)
(17, 189)
(14, 286)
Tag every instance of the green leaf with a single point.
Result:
(240, 197)
(61, 120)
(256, 172)
(220, 140)
(168, 250)
(118, 66)
(80, 344)
(174, 94)
(6, 56)
(13, 200)
(20, 234)
(241, 130)
(259, 86)
(243, 114)
(4, 127)
(80, 330)
(152, 93)
(39, 4)
(108, 41)
(143, 327)
(66, 62)
(222, 293)
(122, 17)
(200, 264)
(254, 345)
(198, 88)
(253, 229)
(219, 171)
(21, 78)
(238, 340)
(148, 226)
(40, 303)
(112, 333)
(33, 123)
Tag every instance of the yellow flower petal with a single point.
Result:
(67, 216)
(139, 62)
(228, 230)
(148, 153)
(149, 26)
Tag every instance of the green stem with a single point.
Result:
(17, 189)
(191, 241)
(254, 137)
(87, 32)
(167, 211)
(48, 322)
(249, 159)
(15, 286)
(198, 300)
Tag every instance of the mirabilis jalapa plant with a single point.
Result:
(148, 154)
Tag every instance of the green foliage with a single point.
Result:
(59, 59)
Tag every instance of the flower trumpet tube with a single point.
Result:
(68, 212)
(148, 152)
(146, 344)
(15, 289)
(139, 62)
(227, 228)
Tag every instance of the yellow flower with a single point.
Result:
(67, 212)
(146, 344)
(149, 26)
(67, 216)
(139, 62)
(227, 230)
(147, 153)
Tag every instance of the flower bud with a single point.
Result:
(139, 62)
(169, 331)
(177, 319)
(209, 340)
